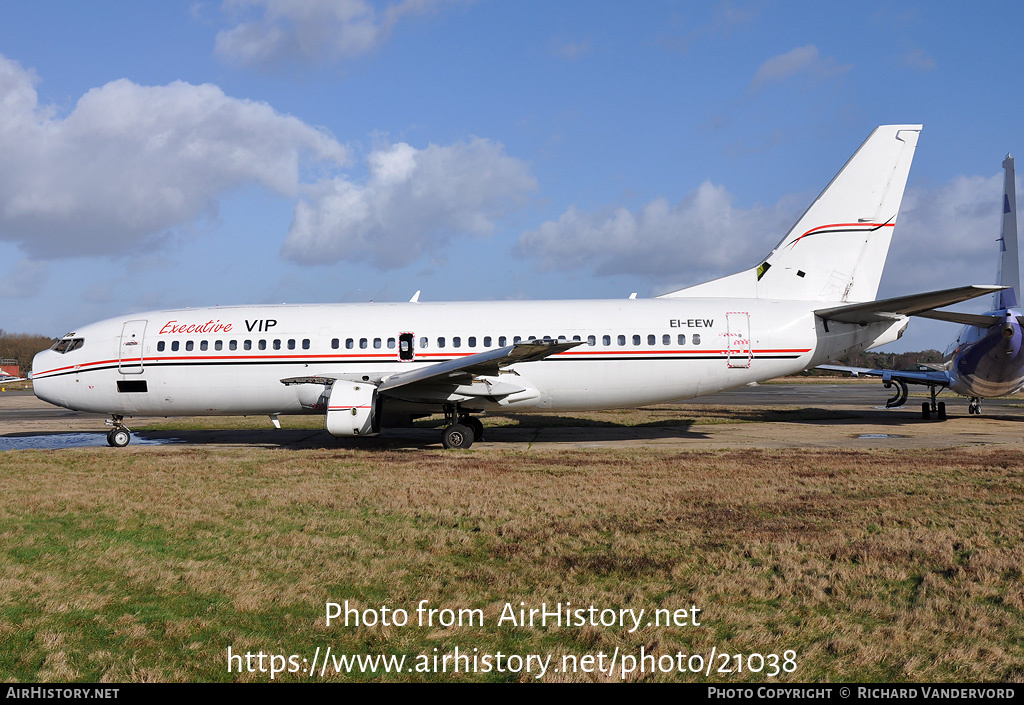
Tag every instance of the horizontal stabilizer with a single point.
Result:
(913, 305)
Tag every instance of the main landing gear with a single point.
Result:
(974, 407)
(938, 409)
(119, 435)
(462, 429)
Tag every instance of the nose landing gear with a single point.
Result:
(938, 409)
(119, 435)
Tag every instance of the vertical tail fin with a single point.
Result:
(1009, 265)
(837, 249)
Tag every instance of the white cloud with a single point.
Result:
(701, 237)
(917, 59)
(130, 162)
(945, 237)
(313, 31)
(412, 201)
(805, 60)
(570, 50)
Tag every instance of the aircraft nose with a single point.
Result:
(43, 387)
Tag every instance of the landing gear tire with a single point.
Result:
(118, 437)
(926, 411)
(475, 426)
(942, 411)
(457, 436)
(974, 407)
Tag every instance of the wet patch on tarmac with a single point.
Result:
(54, 441)
(873, 436)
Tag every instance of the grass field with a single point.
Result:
(148, 563)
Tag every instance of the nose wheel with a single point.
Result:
(118, 436)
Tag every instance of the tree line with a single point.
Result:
(22, 347)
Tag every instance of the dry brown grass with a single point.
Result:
(147, 563)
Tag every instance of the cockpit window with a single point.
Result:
(66, 345)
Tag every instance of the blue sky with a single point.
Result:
(155, 155)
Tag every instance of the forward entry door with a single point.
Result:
(131, 348)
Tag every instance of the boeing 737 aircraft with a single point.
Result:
(985, 360)
(370, 366)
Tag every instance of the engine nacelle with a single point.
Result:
(351, 409)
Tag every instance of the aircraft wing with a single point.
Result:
(457, 374)
(913, 305)
(458, 371)
(930, 377)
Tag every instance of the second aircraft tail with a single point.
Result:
(1009, 266)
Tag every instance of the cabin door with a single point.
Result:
(738, 348)
(130, 359)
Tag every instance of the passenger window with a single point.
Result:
(651, 340)
(577, 339)
(622, 340)
(218, 345)
(666, 339)
(189, 345)
(423, 342)
(349, 343)
(204, 345)
(456, 342)
(391, 343)
(440, 342)
(376, 343)
(472, 341)
(277, 344)
(591, 340)
(502, 341)
(487, 341)
(606, 340)
(262, 345)
(291, 343)
(233, 345)
(305, 343)
(160, 346)
(247, 345)
(335, 343)
(681, 339)
(516, 339)
(174, 346)
(696, 338)
(636, 340)
(363, 343)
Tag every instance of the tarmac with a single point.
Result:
(850, 415)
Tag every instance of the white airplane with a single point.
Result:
(371, 366)
(6, 378)
(986, 359)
